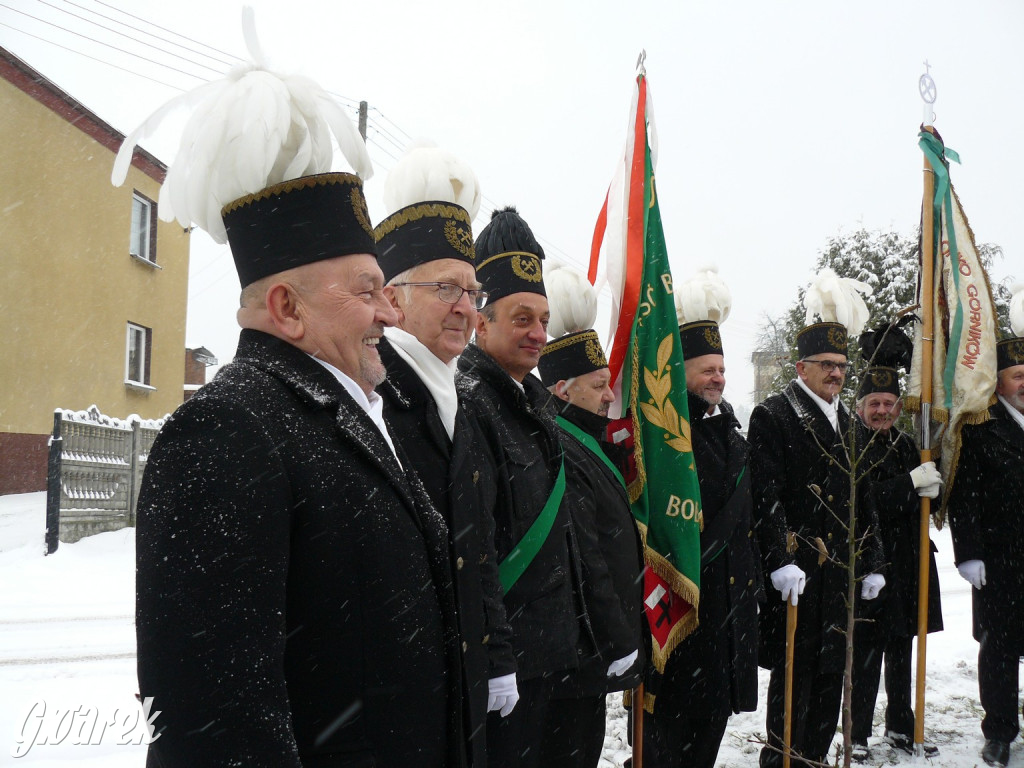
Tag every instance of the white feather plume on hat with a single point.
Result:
(427, 172)
(571, 299)
(837, 300)
(704, 296)
(1017, 310)
(249, 130)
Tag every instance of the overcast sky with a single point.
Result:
(781, 124)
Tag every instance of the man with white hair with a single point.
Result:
(890, 468)
(428, 260)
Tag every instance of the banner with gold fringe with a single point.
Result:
(646, 364)
(963, 370)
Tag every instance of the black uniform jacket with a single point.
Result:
(460, 481)
(986, 515)
(800, 472)
(523, 444)
(612, 560)
(714, 670)
(294, 601)
(887, 459)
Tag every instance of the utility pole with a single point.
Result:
(362, 120)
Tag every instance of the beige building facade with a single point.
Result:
(95, 287)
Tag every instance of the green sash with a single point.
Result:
(590, 443)
(522, 554)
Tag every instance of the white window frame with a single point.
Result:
(142, 238)
(143, 336)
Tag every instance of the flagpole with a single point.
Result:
(638, 726)
(927, 88)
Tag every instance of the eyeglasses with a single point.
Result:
(450, 293)
(828, 366)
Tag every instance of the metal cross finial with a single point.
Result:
(640, 62)
(926, 87)
(927, 67)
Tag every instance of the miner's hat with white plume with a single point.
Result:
(253, 168)
(432, 198)
(839, 304)
(887, 349)
(702, 304)
(1010, 351)
(508, 257)
(575, 349)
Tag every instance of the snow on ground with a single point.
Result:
(67, 660)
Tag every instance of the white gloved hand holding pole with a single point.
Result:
(872, 585)
(502, 694)
(974, 572)
(926, 479)
(619, 666)
(790, 581)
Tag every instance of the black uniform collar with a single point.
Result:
(475, 361)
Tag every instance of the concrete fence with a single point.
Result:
(94, 471)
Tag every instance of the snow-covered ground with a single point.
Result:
(67, 660)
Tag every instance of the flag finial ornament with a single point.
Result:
(928, 91)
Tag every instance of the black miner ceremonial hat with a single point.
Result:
(1009, 352)
(298, 222)
(508, 256)
(575, 354)
(700, 338)
(424, 232)
(879, 378)
(821, 338)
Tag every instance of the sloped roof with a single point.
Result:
(47, 93)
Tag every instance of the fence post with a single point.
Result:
(133, 488)
(53, 487)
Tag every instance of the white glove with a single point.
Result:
(502, 694)
(974, 572)
(872, 585)
(926, 479)
(619, 666)
(789, 580)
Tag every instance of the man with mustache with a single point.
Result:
(988, 541)
(427, 256)
(294, 599)
(713, 672)
(890, 467)
(611, 649)
(537, 560)
(799, 465)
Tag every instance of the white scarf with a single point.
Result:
(438, 378)
(1014, 413)
(372, 403)
(829, 409)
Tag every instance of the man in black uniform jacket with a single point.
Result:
(575, 371)
(426, 254)
(294, 598)
(988, 544)
(800, 476)
(713, 672)
(895, 480)
(506, 401)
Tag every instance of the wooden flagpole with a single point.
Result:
(638, 726)
(927, 339)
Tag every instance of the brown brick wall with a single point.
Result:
(22, 462)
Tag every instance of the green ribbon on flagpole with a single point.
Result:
(592, 444)
(937, 152)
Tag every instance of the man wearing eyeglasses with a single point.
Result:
(800, 475)
(428, 265)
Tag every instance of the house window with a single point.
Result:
(138, 354)
(143, 240)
